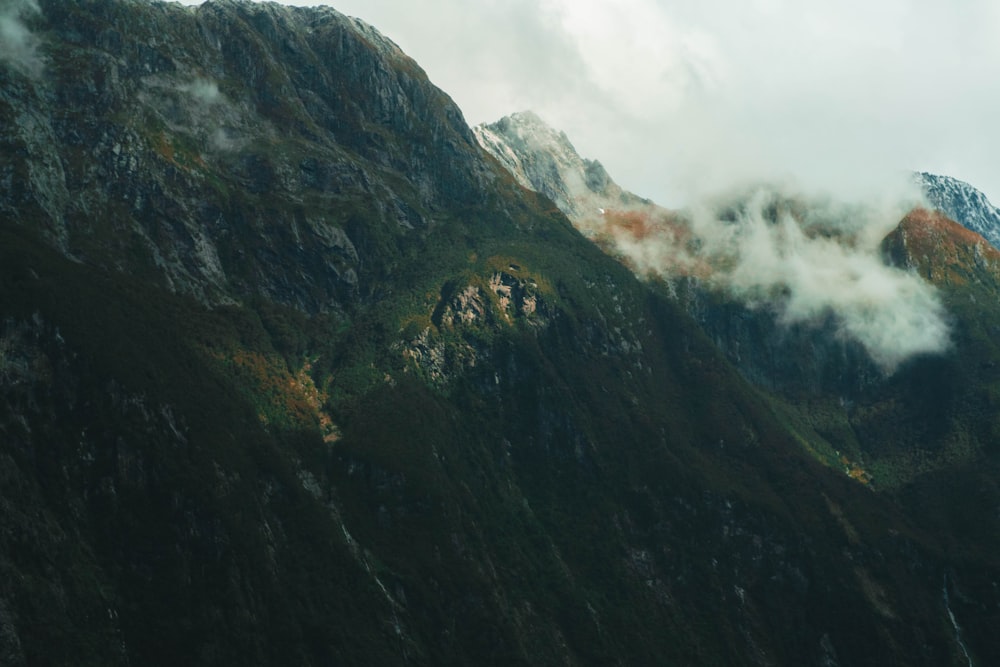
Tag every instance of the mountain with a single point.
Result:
(293, 372)
(915, 431)
(544, 160)
(963, 203)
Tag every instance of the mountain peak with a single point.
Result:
(542, 158)
(963, 203)
(528, 118)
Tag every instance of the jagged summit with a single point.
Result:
(963, 203)
(542, 158)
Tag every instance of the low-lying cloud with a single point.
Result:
(811, 258)
(18, 45)
(203, 91)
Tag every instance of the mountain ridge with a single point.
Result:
(543, 159)
(330, 387)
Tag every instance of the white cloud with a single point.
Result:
(204, 91)
(828, 263)
(809, 258)
(635, 57)
(18, 46)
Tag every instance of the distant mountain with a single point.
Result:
(963, 203)
(543, 159)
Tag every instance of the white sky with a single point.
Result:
(678, 97)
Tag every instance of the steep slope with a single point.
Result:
(217, 151)
(963, 203)
(303, 377)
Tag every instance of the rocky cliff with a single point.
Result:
(293, 372)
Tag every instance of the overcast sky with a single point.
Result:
(679, 97)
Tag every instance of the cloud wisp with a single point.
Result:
(18, 45)
(204, 91)
(811, 259)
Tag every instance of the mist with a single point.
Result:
(203, 91)
(18, 45)
(811, 257)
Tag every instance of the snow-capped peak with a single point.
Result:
(962, 203)
(543, 159)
